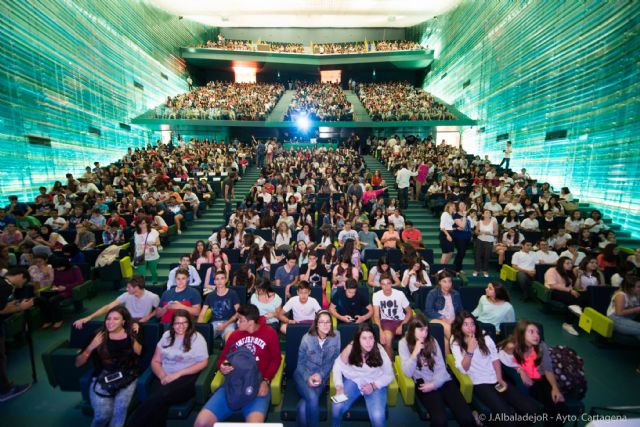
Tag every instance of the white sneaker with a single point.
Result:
(474, 274)
(568, 327)
(485, 274)
(179, 231)
(575, 309)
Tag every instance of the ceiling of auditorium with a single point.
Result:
(308, 13)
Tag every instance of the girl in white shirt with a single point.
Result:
(416, 277)
(363, 369)
(476, 355)
(574, 223)
(446, 230)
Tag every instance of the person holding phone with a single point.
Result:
(422, 360)
(476, 355)
(363, 369)
(14, 280)
(350, 306)
(115, 349)
(318, 350)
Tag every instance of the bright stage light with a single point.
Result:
(303, 123)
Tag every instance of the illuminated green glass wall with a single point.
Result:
(527, 68)
(76, 72)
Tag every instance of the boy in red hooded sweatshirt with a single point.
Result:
(263, 341)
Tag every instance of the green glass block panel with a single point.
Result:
(534, 67)
(72, 71)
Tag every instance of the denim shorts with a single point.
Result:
(217, 405)
(230, 328)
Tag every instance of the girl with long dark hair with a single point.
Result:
(422, 360)
(362, 369)
(476, 355)
(180, 355)
(114, 348)
(562, 282)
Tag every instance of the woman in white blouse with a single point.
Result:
(446, 230)
(416, 277)
(363, 369)
(476, 355)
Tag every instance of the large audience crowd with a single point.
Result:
(316, 244)
(223, 101)
(319, 101)
(400, 101)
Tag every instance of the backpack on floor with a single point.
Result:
(568, 368)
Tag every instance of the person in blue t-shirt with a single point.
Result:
(224, 303)
(180, 297)
(288, 275)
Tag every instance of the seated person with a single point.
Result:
(494, 306)
(412, 236)
(415, 277)
(572, 252)
(544, 255)
(288, 275)
(476, 355)
(113, 234)
(117, 347)
(177, 210)
(315, 273)
(267, 300)
(318, 350)
(390, 238)
(179, 297)
(525, 351)
(423, 361)
(391, 311)
(85, 239)
(561, 280)
(347, 233)
(224, 303)
(383, 267)
(624, 308)
(263, 341)
(303, 307)
(140, 303)
(180, 355)
(350, 306)
(65, 278)
(559, 240)
(525, 262)
(363, 369)
(185, 264)
(443, 303)
(530, 223)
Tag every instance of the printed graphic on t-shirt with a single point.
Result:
(390, 310)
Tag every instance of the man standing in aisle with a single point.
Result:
(507, 155)
(403, 178)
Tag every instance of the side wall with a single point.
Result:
(76, 72)
(526, 68)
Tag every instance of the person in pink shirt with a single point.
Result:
(390, 238)
(370, 194)
(421, 178)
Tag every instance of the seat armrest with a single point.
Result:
(466, 386)
(508, 273)
(406, 384)
(47, 360)
(203, 383)
(276, 384)
(143, 384)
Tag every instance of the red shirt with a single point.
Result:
(414, 234)
(263, 343)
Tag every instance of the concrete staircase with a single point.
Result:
(421, 217)
(203, 227)
(359, 112)
(278, 112)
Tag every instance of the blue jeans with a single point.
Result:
(376, 404)
(309, 406)
(625, 326)
(218, 406)
(230, 328)
(108, 411)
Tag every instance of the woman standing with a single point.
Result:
(180, 355)
(422, 360)
(319, 349)
(446, 233)
(461, 235)
(115, 348)
(476, 355)
(487, 231)
(362, 369)
(146, 250)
